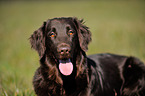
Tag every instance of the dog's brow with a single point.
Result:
(60, 27)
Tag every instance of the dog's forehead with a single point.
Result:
(59, 24)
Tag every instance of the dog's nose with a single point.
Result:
(64, 50)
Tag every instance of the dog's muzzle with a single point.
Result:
(65, 64)
(63, 50)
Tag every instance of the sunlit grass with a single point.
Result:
(116, 26)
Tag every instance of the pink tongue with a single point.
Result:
(66, 68)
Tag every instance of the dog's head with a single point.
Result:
(60, 38)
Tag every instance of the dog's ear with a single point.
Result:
(84, 34)
(37, 40)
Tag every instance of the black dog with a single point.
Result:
(65, 70)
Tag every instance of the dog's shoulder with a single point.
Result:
(107, 58)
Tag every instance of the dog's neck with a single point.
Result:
(72, 83)
(69, 83)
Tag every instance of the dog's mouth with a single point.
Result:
(66, 67)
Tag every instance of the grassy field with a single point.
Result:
(116, 26)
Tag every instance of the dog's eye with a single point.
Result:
(52, 34)
(70, 32)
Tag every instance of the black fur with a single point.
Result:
(95, 75)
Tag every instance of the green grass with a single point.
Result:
(116, 26)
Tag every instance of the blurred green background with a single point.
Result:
(117, 27)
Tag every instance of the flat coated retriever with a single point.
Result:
(65, 70)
